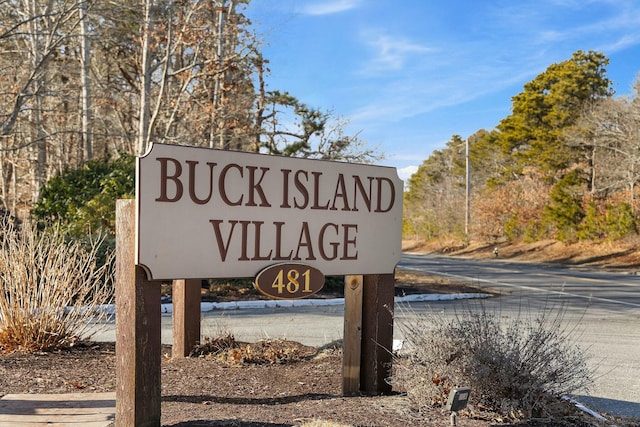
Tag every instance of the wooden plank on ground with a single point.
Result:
(58, 410)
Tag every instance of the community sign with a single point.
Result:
(206, 213)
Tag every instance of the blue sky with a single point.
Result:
(410, 74)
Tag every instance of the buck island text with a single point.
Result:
(246, 186)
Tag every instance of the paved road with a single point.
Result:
(603, 306)
(610, 290)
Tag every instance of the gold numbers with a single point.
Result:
(292, 284)
(289, 281)
(307, 281)
(277, 282)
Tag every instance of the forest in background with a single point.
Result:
(563, 165)
(87, 83)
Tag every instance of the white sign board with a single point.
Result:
(204, 213)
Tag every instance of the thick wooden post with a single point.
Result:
(377, 333)
(186, 297)
(351, 349)
(138, 345)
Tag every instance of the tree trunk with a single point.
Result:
(86, 84)
(143, 129)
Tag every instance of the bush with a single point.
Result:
(83, 200)
(53, 288)
(607, 220)
(565, 211)
(515, 368)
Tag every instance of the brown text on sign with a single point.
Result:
(333, 241)
(205, 183)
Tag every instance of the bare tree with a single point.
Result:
(33, 40)
(609, 130)
(82, 79)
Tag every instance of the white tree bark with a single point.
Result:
(145, 87)
(86, 83)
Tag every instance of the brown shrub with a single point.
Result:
(52, 288)
(517, 368)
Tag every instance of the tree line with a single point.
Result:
(87, 81)
(563, 165)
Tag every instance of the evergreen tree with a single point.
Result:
(549, 105)
(565, 211)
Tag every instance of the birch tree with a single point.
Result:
(33, 37)
(85, 60)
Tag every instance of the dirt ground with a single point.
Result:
(272, 383)
(269, 383)
(613, 255)
(220, 391)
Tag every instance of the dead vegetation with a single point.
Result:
(620, 254)
(226, 349)
(518, 369)
(52, 288)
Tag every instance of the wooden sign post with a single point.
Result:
(138, 345)
(185, 295)
(202, 213)
(352, 336)
(377, 333)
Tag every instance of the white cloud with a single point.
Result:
(330, 7)
(623, 42)
(407, 73)
(406, 172)
(425, 75)
(614, 27)
(421, 76)
(392, 53)
(431, 90)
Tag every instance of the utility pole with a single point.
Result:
(467, 211)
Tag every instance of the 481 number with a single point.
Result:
(289, 281)
(292, 284)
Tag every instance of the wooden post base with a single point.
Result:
(368, 334)
(186, 298)
(138, 328)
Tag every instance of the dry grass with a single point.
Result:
(52, 288)
(225, 348)
(611, 254)
(322, 423)
(516, 368)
